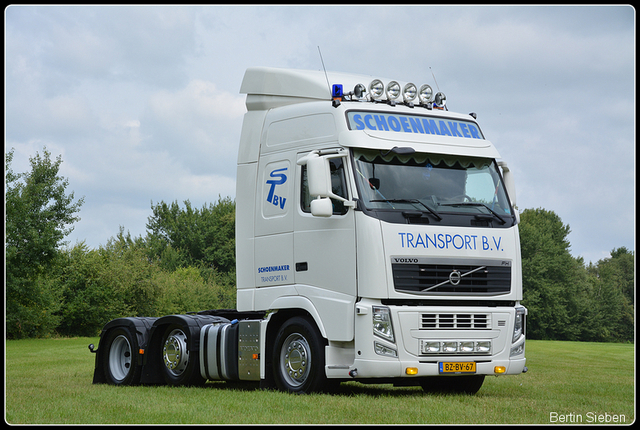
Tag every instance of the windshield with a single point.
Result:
(440, 186)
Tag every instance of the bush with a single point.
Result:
(184, 290)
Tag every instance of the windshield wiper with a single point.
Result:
(502, 221)
(412, 201)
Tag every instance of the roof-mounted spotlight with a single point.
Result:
(359, 91)
(393, 90)
(376, 89)
(409, 93)
(440, 101)
(425, 94)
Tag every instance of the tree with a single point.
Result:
(204, 238)
(550, 277)
(566, 300)
(613, 287)
(39, 214)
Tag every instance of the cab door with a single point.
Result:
(324, 251)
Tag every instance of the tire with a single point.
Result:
(180, 366)
(121, 358)
(465, 384)
(299, 357)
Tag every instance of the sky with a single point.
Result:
(143, 105)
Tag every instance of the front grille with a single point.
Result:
(433, 321)
(441, 279)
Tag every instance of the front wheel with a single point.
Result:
(121, 358)
(298, 357)
(180, 364)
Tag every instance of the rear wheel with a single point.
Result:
(465, 384)
(298, 357)
(121, 358)
(180, 364)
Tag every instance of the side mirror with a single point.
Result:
(319, 182)
(322, 207)
(318, 176)
(511, 187)
(508, 181)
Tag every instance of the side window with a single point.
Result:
(338, 187)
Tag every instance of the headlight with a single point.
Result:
(382, 326)
(518, 326)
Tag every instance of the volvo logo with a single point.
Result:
(454, 277)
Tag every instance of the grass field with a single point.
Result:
(50, 382)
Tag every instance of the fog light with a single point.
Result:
(483, 346)
(384, 350)
(411, 371)
(430, 347)
(517, 350)
(450, 346)
(499, 369)
(466, 346)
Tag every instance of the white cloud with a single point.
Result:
(143, 102)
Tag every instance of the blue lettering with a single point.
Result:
(382, 122)
(443, 129)
(410, 240)
(475, 133)
(497, 243)
(453, 126)
(415, 124)
(448, 240)
(468, 242)
(402, 238)
(358, 120)
(368, 118)
(282, 178)
(461, 241)
(430, 126)
(394, 123)
(433, 242)
(465, 132)
(405, 124)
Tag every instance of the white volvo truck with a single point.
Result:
(376, 241)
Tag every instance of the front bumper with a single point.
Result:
(415, 327)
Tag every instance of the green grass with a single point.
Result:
(50, 382)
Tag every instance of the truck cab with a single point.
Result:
(388, 220)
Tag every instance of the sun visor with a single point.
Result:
(430, 144)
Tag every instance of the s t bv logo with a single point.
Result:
(279, 179)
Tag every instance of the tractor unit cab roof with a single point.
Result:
(268, 87)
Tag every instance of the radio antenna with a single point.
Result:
(434, 79)
(325, 70)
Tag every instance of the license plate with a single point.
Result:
(457, 367)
